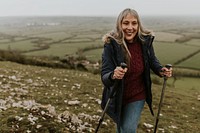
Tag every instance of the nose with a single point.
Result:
(130, 26)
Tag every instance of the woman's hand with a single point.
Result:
(166, 72)
(119, 73)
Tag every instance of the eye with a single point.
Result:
(125, 23)
(134, 22)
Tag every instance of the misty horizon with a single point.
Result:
(98, 8)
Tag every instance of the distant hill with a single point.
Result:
(176, 39)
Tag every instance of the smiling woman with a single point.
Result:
(131, 43)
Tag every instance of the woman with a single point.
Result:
(132, 44)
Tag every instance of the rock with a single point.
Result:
(76, 102)
(173, 126)
(147, 125)
(198, 97)
(98, 101)
(3, 104)
(84, 105)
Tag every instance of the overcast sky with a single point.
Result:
(97, 7)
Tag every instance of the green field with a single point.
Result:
(194, 42)
(94, 54)
(192, 63)
(56, 36)
(18, 45)
(171, 52)
(61, 36)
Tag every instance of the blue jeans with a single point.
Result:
(131, 116)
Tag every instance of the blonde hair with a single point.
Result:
(118, 35)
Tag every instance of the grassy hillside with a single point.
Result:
(45, 100)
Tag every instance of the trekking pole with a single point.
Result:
(123, 65)
(168, 66)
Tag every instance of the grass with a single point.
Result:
(192, 62)
(4, 41)
(171, 52)
(47, 86)
(93, 55)
(194, 42)
(62, 49)
(56, 36)
(19, 45)
(166, 37)
(53, 89)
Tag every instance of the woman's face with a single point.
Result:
(129, 27)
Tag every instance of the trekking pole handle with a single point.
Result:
(168, 66)
(123, 65)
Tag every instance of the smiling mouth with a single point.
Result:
(129, 33)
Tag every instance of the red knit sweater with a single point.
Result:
(134, 84)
